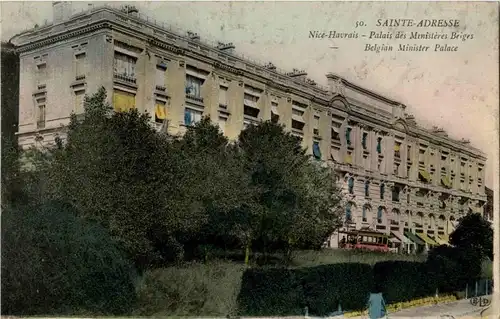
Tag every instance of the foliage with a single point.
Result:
(191, 290)
(402, 281)
(296, 198)
(271, 292)
(65, 265)
(474, 233)
(328, 286)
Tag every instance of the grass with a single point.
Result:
(332, 256)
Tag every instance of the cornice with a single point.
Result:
(98, 25)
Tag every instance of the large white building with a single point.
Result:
(397, 177)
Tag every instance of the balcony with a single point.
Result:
(194, 98)
(40, 124)
(125, 78)
(160, 88)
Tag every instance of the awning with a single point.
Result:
(414, 238)
(440, 240)
(394, 240)
(427, 239)
(425, 175)
(446, 181)
(401, 237)
(348, 159)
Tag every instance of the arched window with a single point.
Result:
(380, 212)
(350, 185)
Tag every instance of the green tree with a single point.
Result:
(115, 169)
(54, 263)
(297, 199)
(474, 233)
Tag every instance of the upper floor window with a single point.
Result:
(79, 101)
(274, 112)
(193, 86)
(379, 145)
(41, 112)
(348, 214)
(160, 77)
(223, 97)
(363, 140)
(123, 101)
(316, 125)
(397, 148)
(350, 185)
(316, 150)
(80, 64)
(192, 116)
(124, 65)
(382, 191)
(367, 189)
(348, 135)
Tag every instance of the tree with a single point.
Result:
(474, 233)
(297, 199)
(115, 169)
(54, 263)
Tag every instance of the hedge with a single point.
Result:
(271, 292)
(402, 280)
(326, 287)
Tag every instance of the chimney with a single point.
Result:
(61, 11)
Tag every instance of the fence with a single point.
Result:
(480, 288)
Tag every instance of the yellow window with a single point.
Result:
(123, 101)
(160, 111)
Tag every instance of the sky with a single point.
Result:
(455, 90)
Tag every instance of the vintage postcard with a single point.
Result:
(250, 159)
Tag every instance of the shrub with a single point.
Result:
(325, 287)
(271, 292)
(54, 263)
(402, 281)
(190, 290)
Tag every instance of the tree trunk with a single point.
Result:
(247, 253)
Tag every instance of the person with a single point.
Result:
(376, 306)
(342, 242)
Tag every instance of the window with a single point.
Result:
(223, 97)
(316, 125)
(80, 64)
(348, 135)
(297, 113)
(40, 123)
(396, 169)
(350, 185)
(193, 86)
(363, 140)
(316, 150)
(379, 145)
(395, 194)
(160, 75)
(160, 111)
(250, 100)
(366, 162)
(192, 116)
(408, 153)
(297, 125)
(274, 112)
(348, 213)
(124, 65)
(364, 213)
(397, 148)
(79, 101)
(379, 214)
(382, 190)
(123, 101)
(367, 189)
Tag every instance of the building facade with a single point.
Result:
(395, 175)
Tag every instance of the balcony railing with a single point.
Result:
(80, 77)
(125, 78)
(194, 98)
(160, 88)
(394, 222)
(40, 124)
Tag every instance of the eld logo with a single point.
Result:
(479, 301)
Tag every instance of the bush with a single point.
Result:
(190, 290)
(54, 263)
(325, 287)
(402, 280)
(271, 292)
